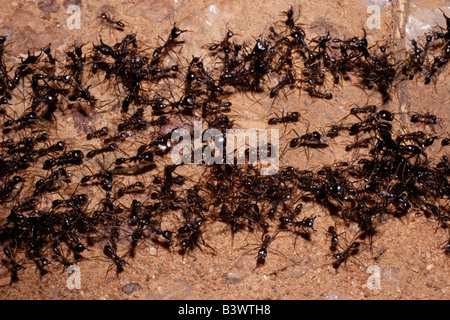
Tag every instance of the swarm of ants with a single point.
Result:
(144, 196)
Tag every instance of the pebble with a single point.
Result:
(392, 275)
(158, 10)
(67, 3)
(231, 278)
(131, 287)
(244, 266)
(48, 6)
(330, 295)
(180, 290)
(152, 251)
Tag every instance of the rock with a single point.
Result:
(48, 6)
(181, 290)
(67, 3)
(244, 266)
(131, 287)
(330, 295)
(392, 275)
(159, 10)
(231, 278)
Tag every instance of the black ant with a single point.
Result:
(25, 119)
(343, 256)
(364, 143)
(288, 118)
(47, 52)
(102, 175)
(170, 42)
(144, 157)
(31, 59)
(117, 138)
(190, 235)
(15, 266)
(7, 190)
(424, 118)
(365, 109)
(74, 157)
(52, 182)
(306, 139)
(83, 94)
(135, 187)
(286, 80)
(97, 133)
(61, 257)
(118, 25)
(334, 238)
(262, 252)
(109, 148)
(111, 253)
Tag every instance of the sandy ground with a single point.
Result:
(406, 255)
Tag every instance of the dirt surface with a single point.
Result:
(406, 253)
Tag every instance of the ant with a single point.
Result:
(111, 253)
(364, 143)
(61, 257)
(190, 234)
(334, 238)
(446, 248)
(52, 182)
(75, 202)
(118, 25)
(58, 146)
(334, 130)
(288, 118)
(365, 109)
(424, 118)
(206, 109)
(47, 52)
(15, 266)
(445, 142)
(26, 205)
(74, 157)
(144, 157)
(6, 190)
(77, 63)
(306, 139)
(286, 80)
(98, 133)
(31, 59)
(104, 49)
(343, 256)
(286, 223)
(135, 187)
(25, 119)
(174, 33)
(118, 137)
(225, 47)
(104, 175)
(109, 148)
(83, 94)
(318, 94)
(135, 120)
(262, 252)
